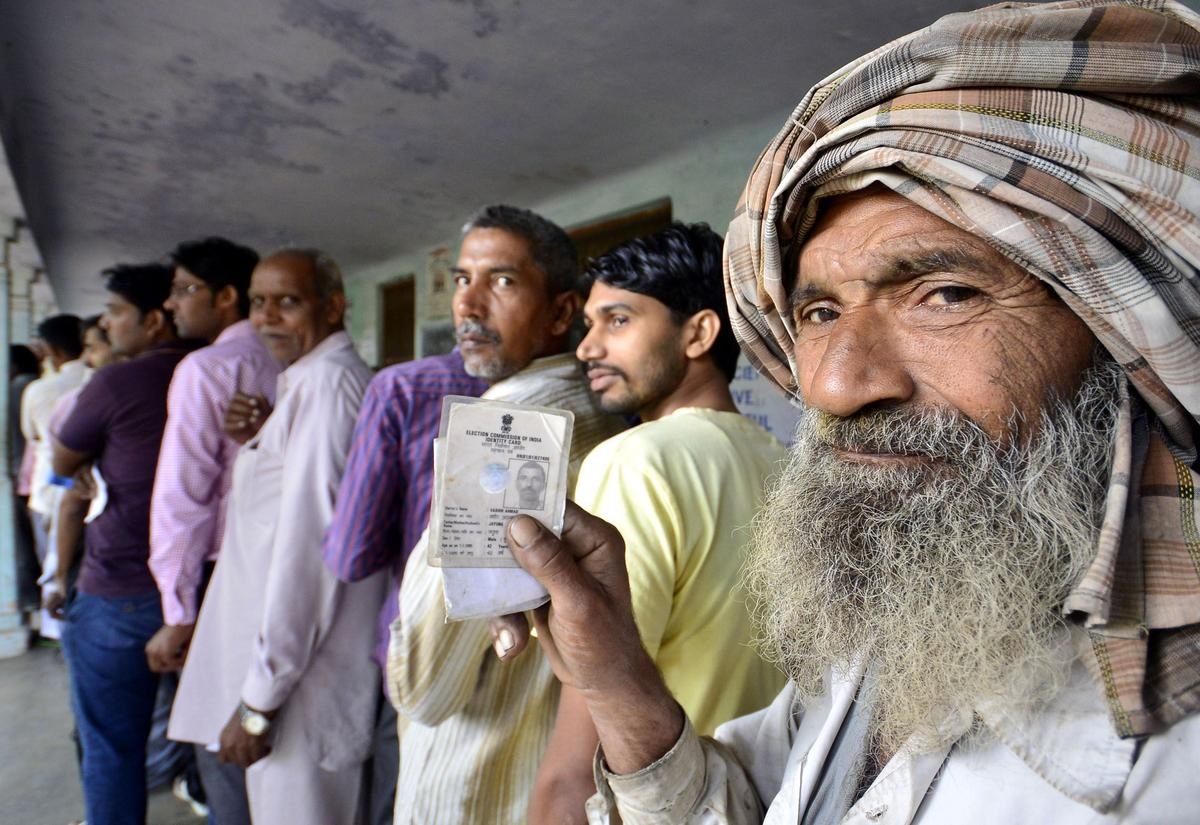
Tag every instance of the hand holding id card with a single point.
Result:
(493, 461)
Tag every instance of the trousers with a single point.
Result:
(112, 695)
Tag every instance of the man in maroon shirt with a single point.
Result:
(118, 424)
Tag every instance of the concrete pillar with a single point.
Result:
(20, 300)
(13, 636)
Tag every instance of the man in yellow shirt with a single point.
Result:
(681, 488)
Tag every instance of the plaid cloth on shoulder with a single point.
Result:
(1066, 135)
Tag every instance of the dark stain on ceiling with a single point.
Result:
(372, 128)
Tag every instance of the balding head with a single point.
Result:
(297, 300)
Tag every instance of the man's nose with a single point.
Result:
(859, 365)
(589, 348)
(468, 301)
(268, 313)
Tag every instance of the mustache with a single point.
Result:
(476, 329)
(586, 366)
(930, 432)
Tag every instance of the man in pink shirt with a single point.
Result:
(187, 512)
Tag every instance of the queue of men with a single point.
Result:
(969, 592)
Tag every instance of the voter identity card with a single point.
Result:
(493, 461)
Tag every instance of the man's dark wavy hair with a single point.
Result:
(679, 267)
(146, 286)
(219, 263)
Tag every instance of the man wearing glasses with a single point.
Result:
(209, 302)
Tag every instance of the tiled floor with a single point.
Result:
(39, 781)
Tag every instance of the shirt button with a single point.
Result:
(875, 813)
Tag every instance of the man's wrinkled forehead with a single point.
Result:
(882, 240)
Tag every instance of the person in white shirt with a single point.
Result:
(280, 674)
(62, 336)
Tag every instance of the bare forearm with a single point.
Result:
(564, 780)
(71, 512)
(65, 461)
(560, 800)
(589, 634)
(638, 724)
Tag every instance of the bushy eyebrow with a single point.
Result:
(903, 266)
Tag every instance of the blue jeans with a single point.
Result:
(112, 695)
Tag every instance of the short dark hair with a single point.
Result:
(23, 360)
(219, 263)
(679, 267)
(64, 333)
(146, 286)
(550, 247)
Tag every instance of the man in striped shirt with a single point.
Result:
(383, 507)
(475, 728)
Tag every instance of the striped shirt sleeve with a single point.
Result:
(364, 534)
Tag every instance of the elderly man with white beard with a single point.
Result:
(973, 255)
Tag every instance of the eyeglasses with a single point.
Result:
(183, 290)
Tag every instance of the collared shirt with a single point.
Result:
(478, 727)
(119, 419)
(277, 629)
(37, 405)
(1117, 744)
(1063, 764)
(383, 503)
(195, 464)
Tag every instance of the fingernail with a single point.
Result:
(523, 530)
(507, 640)
(500, 651)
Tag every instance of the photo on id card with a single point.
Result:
(493, 461)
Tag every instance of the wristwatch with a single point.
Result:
(252, 722)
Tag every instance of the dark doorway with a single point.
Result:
(596, 237)
(398, 305)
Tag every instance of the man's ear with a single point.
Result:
(226, 297)
(158, 324)
(700, 333)
(335, 309)
(565, 307)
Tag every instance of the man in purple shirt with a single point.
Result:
(118, 423)
(383, 507)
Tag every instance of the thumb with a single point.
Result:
(545, 557)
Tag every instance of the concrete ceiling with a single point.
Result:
(372, 128)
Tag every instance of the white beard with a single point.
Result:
(948, 575)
